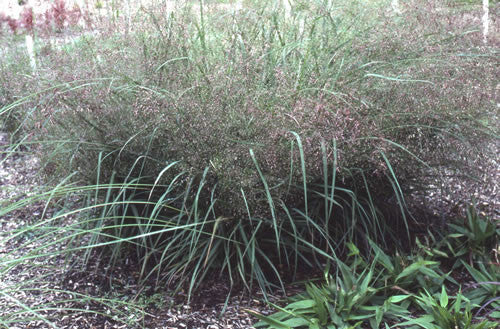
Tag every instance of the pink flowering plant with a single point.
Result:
(56, 18)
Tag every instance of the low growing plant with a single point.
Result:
(402, 272)
(441, 313)
(486, 289)
(349, 299)
(473, 239)
(476, 237)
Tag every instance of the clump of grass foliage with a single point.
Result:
(208, 140)
(37, 261)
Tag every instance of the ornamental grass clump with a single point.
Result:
(197, 89)
(269, 137)
(185, 107)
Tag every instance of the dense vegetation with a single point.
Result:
(259, 142)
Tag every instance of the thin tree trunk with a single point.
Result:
(486, 20)
(30, 46)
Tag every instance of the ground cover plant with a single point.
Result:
(369, 292)
(259, 141)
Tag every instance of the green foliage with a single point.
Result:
(474, 237)
(402, 272)
(485, 290)
(346, 300)
(187, 87)
(157, 222)
(441, 313)
(207, 141)
(36, 252)
(274, 129)
(364, 292)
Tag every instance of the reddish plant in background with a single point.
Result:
(58, 16)
(47, 20)
(74, 15)
(26, 19)
(13, 24)
(59, 13)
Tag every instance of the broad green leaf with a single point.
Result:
(408, 271)
(382, 257)
(301, 304)
(430, 273)
(397, 310)
(478, 276)
(356, 325)
(425, 321)
(336, 319)
(458, 301)
(455, 235)
(314, 324)
(397, 298)
(439, 253)
(495, 315)
(379, 313)
(366, 281)
(322, 312)
(347, 276)
(266, 320)
(297, 322)
(359, 316)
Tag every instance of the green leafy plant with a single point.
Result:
(402, 271)
(486, 289)
(441, 313)
(346, 300)
(475, 238)
(433, 247)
